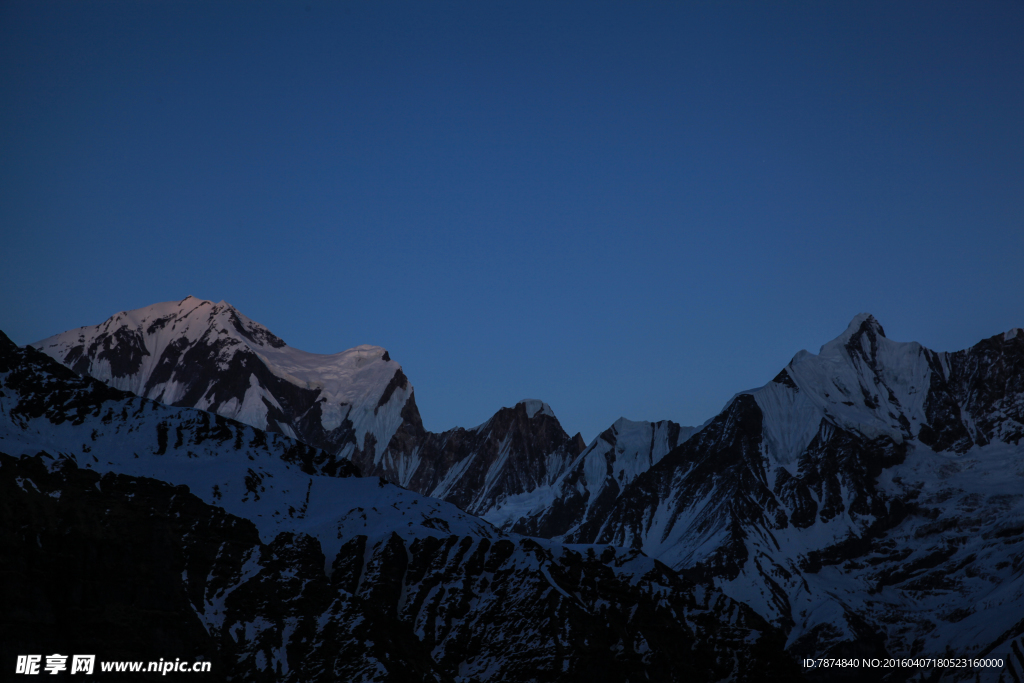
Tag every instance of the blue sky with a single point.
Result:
(631, 208)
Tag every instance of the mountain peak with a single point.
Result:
(534, 406)
(862, 324)
(210, 356)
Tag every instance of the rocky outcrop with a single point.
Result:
(519, 449)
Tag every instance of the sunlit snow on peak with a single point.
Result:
(534, 406)
(157, 350)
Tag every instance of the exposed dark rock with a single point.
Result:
(134, 569)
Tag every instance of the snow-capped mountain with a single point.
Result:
(275, 481)
(198, 354)
(869, 500)
(592, 483)
(356, 405)
(517, 451)
(256, 558)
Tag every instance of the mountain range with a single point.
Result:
(868, 502)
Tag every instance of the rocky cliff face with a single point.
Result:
(519, 449)
(592, 482)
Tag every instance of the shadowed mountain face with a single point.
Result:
(134, 569)
(248, 555)
(592, 483)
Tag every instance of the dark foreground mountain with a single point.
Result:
(245, 554)
(136, 569)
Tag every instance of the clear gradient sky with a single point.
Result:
(625, 209)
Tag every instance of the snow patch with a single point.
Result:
(534, 406)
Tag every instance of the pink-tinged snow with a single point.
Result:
(534, 406)
(351, 383)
